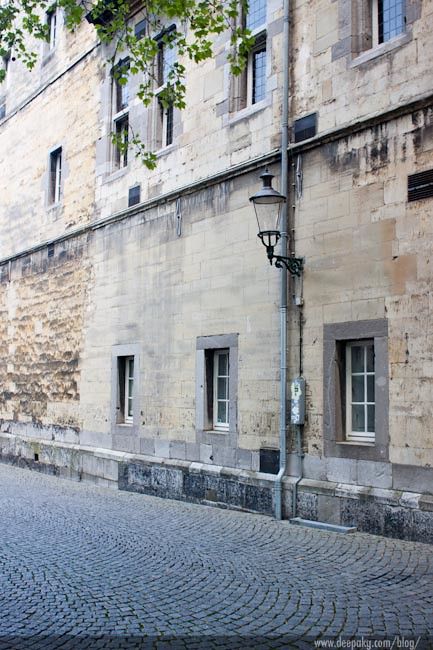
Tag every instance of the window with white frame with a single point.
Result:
(356, 389)
(52, 28)
(120, 103)
(164, 126)
(55, 176)
(126, 390)
(360, 391)
(221, 390)
(164, 114)
(216, 387)
(388, 20)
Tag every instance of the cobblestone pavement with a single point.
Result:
(89, 567)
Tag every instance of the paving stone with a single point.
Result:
(86, 567)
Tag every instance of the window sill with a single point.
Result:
(164, 151)
(48, 57)
(54, 208)
(383, 48)
(246, 113)
(117, 173)
(353, 443)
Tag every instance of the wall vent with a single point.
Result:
(269, 461)
(134, 195)
(420, 186)
(305, 127)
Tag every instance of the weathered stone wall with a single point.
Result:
(208, 136)
(64, 115)
(339, 75)
(159, 290)
(368, 257)
(43, 304)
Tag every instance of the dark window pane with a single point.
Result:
(370, 358)
(222, 388)
(357, 358)
(370, 418)
(370, 388)
(259, 76)
(222, 364)
(222, 412)
(358, 388)
(169, 129)
(358, 418)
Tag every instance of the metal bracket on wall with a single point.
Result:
(178, 217)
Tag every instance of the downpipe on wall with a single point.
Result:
(283, 252)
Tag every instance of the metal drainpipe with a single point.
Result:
(299, 428)
(283, 272)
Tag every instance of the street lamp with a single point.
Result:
(267, 205)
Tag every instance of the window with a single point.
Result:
(2, 110)
(221, 390)
(388, 20)
(166, 59)
(360, 391)
(121, 147)
(257, 84)
(121, 113)
(216, 397)
(164, 117)
(126, 389)
(125, 377)
(55, 176)
(164, 135)
(249, 88)
(52, 29)
(256, 16)
(355, 390)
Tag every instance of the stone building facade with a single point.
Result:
(140, 320)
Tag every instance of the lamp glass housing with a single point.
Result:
(267, 206)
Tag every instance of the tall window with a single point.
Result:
(166, 60)
(126, 389)
(221, 398)
(388, 19)
(250, 87)
(360, 391)
(164, 125)
(52, 28)
(121, 113)
(55, 176)
(216, 385)
(258, 71)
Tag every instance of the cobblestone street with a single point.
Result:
(88, 567)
